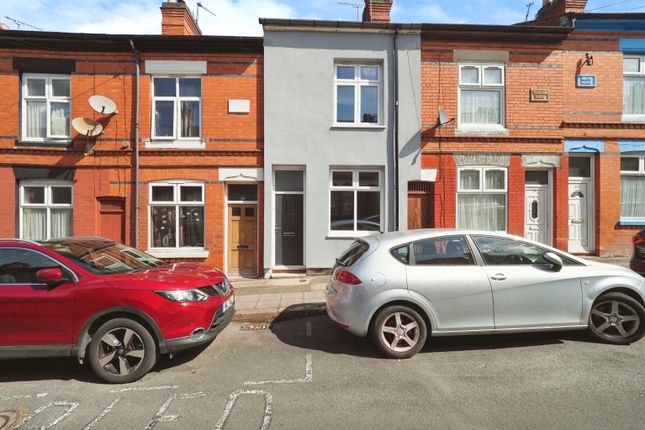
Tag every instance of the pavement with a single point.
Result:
(264, 301)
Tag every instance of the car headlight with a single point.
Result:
(184, 295)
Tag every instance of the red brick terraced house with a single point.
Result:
(176, 170)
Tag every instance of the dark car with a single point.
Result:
(103, 302)
(637, 263)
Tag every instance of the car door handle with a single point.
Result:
(498, 277)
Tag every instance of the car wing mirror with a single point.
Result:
(51, 276)
(555, 260)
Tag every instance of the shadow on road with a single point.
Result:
(327, 337)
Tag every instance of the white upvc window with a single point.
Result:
(481, 97)
(176, 216)
(358, 94)
(632, 188)
(176, 109)
(46, 107)
(634, 88)
(356, 201)
(481, 198)
(45, 209)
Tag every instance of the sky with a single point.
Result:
(240, 17)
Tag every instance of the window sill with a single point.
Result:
(341, 126)
(633, 118)
(482, 130)
(350, 234)
(50, 143)
(175, 144)
(177, 253)
(632, 222)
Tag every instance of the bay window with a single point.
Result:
(45, 210)
(358, 94)
(177, 215)
(632, 188)
(45, 107)
(481, 96)
(481, 198)
(634, 88)
(356, 201)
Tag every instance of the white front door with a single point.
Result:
(580, 239)
(537, 206)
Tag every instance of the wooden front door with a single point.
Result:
(112, 218)
(420, 205)
(242, 240)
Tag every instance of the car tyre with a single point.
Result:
(617, 318)
(399, 331)
(122, 350)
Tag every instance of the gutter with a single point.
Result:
(136, 146)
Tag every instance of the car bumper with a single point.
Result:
(220, 321)
(638, 266)
(345, 305)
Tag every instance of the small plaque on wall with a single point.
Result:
(239, 106)
(539, 95)
(586, 81)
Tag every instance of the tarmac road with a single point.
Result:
(307, 373)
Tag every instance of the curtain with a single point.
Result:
(36, 118)
(632, 196)
(469, 179)
(480, 107)
(61, 223)
(34, 223)
(163, 226)
(190, 119)
(634, 96)
(494, 180)
(482, 211)
(60, 119)
(191, 226)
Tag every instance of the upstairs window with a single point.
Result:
(634, 88)
(177, 108)
(632, 188)
(358, 89)
(45, 107)
(45, 210)
(481, 96)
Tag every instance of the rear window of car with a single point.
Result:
(353, 253)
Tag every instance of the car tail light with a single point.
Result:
(638, 240)
(347, 277)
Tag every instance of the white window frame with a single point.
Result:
(48, 205)
(481, 85)
(482, 189)
(355, 188)
(49, 99)
(357, 83)
(639, 74)
(176, 251)
(639, 173)
(176, 140)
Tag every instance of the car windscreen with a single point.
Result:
(104, 257)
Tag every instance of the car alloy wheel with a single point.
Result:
(122, 350)
(617, 318)
(399, 331)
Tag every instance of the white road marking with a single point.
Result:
(24, 396)
(268, 407)
(70, 407)
(159, 417)
(102, 415)
(309, 376)
(153, 388)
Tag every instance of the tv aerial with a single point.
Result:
(201, 6)
(356, 6)
(103, 105)
(22, 23)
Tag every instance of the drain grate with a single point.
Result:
(253, 326)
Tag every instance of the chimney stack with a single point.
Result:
(377, 11)
(552, 10)
(177, 19)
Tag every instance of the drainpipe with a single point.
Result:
(136, 147)
(396, 132)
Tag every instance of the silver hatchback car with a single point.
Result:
(399, 288)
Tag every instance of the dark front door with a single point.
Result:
(288, 229)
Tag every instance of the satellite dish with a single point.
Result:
(103, 105)
(87, 127)
(443, 118)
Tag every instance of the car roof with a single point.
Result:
(396, 237)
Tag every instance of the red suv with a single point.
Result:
(637, 263)
(106, 303)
